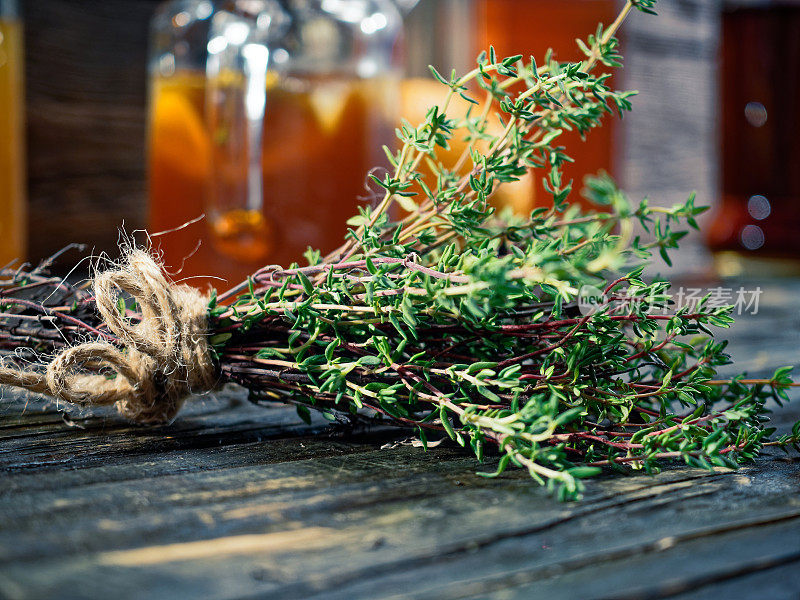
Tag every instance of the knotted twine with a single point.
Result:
(164, 357)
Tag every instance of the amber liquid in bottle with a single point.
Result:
(320, 139)
(530, 27)
(755, 226)
(12, 198)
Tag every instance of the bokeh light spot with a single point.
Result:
(759, 207)
(752, 237)
(755, 113)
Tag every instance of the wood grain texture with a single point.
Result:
(85, 88)
(239, 501)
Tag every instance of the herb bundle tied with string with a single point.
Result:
(437, 313)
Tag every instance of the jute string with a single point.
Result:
(164, 357)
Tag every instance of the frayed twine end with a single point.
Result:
(163, 358)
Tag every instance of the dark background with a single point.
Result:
(85, 87)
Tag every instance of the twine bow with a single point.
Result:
(165, 356)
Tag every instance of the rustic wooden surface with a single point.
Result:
(239, 501)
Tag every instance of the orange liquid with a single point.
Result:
(12, 198)
(319, 142)
(531, 27)
(418, 95)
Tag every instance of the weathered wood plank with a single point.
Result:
(774, 582)
(240, 501)
(427, 508)
(360, 532)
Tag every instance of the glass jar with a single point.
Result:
(13, 226)
(266, 116)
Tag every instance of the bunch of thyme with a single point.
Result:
(439, 314)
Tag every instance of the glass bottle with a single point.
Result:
(754, 227)
(13, 224)
(266, 116)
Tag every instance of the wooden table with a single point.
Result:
(239, 501)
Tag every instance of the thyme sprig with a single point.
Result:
(451, 317)
(440, 314)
